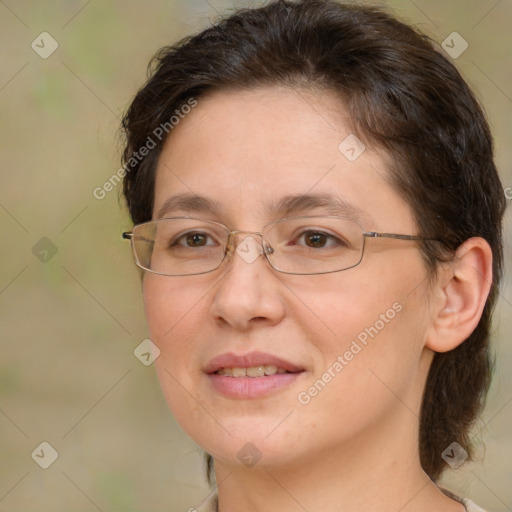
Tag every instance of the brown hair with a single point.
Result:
(402, 95)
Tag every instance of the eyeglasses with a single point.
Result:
(185, 246)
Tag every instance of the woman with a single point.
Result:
(318, 220)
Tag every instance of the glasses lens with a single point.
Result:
(314, 245)
(179, 246)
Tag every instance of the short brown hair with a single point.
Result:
(402, 95)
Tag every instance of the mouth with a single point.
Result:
(253, 372)
(252, 375)
(253, 364)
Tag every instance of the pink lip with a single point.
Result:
(250, 387)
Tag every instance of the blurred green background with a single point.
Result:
(69, 325)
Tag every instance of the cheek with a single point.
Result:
(365, 375)
(173, 314)
(368, 331)
(170, 307)
(349, 307)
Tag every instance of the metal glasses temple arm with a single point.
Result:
(373, 234)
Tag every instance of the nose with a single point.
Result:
(249, 292)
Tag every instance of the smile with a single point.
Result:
(253, 371)
(251, 375)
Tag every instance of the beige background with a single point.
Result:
(68, 375)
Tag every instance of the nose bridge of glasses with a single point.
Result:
(248, 247)
(240, 231)
(235, 238)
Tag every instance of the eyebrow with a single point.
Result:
(291, 204)
(189, 203)
(329, 203)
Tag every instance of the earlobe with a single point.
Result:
(463, 291)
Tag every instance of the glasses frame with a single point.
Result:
(267, 249)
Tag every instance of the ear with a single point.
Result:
(460, 295)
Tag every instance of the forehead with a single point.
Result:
(247, 150)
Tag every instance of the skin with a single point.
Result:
(354, 446)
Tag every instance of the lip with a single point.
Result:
(251, 387)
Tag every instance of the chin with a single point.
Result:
(234, 440)
(249, 453)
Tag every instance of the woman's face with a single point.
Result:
(353, 341)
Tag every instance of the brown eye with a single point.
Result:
(316, 239)
(196, 239)
(319, 240)
(193, 239)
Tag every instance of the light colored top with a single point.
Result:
(470, 506)
(210, 504)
